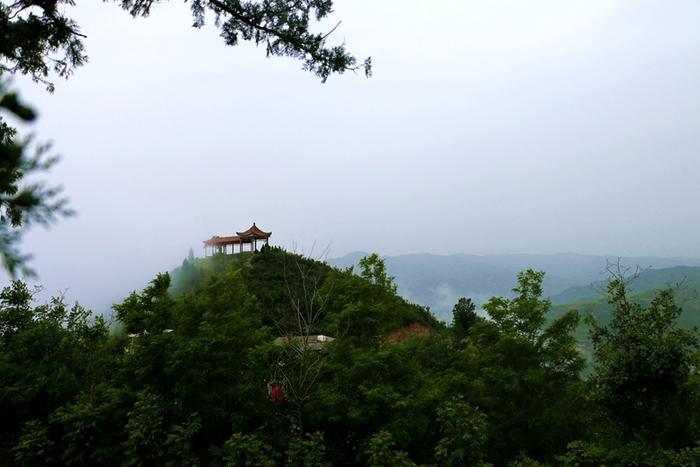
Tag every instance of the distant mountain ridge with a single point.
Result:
(591, 300)
(438, 281)
(677, 277)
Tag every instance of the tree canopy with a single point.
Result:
(39, 37)
(206, 370)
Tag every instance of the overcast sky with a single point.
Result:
(491, 126)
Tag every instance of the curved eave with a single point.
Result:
(254, 232)
(218, 241)
(251, 237)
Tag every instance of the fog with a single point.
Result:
(488, 127)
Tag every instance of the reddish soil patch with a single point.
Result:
(408, 331)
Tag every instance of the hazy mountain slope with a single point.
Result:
(687, 296)
(438, 281)
(591, 299)
(581, 269)
(650, 279)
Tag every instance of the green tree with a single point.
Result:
(149, 311)
(16, 309)
(34, 446)
(381, 452)
(247, 451)
(309, 451)
(523, 318)
(524, 315)
(642, 367)
(186, 277)
(146, 434)
(520, 357)
(178, 443)
(373, 269)
(48, 354)
(463, 430)
(95, 419)
(463, 316)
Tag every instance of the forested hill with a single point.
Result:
(271, 359)
(274, 281)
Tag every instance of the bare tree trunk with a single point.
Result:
(301, 362)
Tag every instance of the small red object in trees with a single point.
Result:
(276, 395)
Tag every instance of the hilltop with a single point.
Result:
(274, 281)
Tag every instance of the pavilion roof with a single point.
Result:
(216, 240)
(254, 231)
(247, 236)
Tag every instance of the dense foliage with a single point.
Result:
(214, 366)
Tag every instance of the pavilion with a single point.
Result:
(250, 236)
